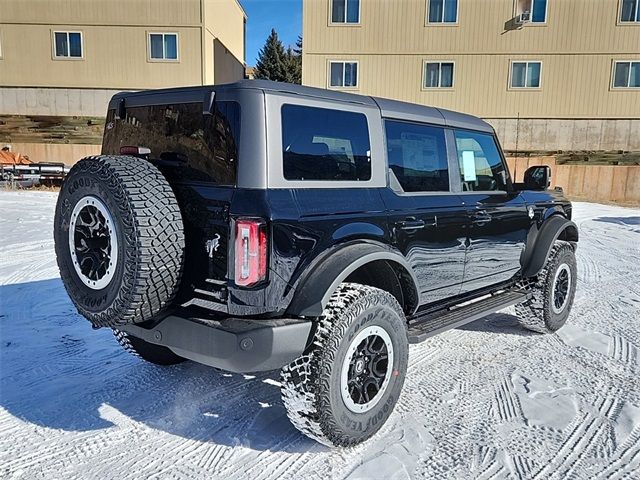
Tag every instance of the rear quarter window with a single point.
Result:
(197, 146)
(325, 144)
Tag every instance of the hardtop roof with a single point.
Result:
(388, 108)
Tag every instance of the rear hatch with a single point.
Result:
(198, 154)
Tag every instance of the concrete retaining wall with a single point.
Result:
(594, 183)
(50, 152)
(57, 102)
(569, 134)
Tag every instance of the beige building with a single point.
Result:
(64, 58)
(548, 74)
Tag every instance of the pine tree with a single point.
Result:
(272, 61)
(296, 61)
(293, 63)
(298, 49)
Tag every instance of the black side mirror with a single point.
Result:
(537, 177)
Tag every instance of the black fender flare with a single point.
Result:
(554, 228)
(322, 279)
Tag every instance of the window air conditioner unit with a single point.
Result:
(523, 18)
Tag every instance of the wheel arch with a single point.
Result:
(556, 227)
(369, 263)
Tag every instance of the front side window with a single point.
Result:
(442, 11)
(343, 74)
(481, 166)
(345, 11)
(417, 156)
(626, 75)
(525, 74)
(196, 147)
(68, 44)
(630, 11)
(324, 144)
(163, 46)
(438, 75)
(534, 11)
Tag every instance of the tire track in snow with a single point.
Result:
(623, 350)
(579, 443)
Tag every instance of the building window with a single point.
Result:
(345, 11)
(534, 11)
(67, 44)
(626, 75)
(525, 74)
(438, 75)
(163, 46)
(442, 11)
(343, 74)
(630, 11)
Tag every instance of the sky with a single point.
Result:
(263, 15)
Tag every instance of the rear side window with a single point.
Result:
(199, 147)
(417, 156)
(324, 144)
(481, 166)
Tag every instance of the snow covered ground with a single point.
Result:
(486, 401)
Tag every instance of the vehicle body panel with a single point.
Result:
(469, 242)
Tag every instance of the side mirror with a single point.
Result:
(537, 177)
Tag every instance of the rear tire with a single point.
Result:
(345, 388)
(553, 292)
(119, 240)
(155, 354)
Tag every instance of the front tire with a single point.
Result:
(345, 388)
(553, 292)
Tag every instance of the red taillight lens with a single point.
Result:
(251, 252)
(136, 151)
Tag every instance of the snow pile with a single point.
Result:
(487, 401)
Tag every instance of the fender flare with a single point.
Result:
(322, 279)
(556, 227)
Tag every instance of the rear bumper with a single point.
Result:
(234, 345)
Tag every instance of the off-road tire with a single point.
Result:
(311, 383)
(537, 313)
(149, 232)
(156, 354)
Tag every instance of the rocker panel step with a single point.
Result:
(429, 325)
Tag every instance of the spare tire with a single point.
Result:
(119, 240)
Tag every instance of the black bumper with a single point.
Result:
(234, 345)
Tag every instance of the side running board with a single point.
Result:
(423, 327)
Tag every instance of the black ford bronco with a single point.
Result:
(255, 226)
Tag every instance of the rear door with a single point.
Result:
(427, 219)
(496, 214)
(198, 154)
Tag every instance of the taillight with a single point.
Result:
(251, 252)
(135, 151)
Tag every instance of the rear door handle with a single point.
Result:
(415, 224)
(480, 217)
(410, 224)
